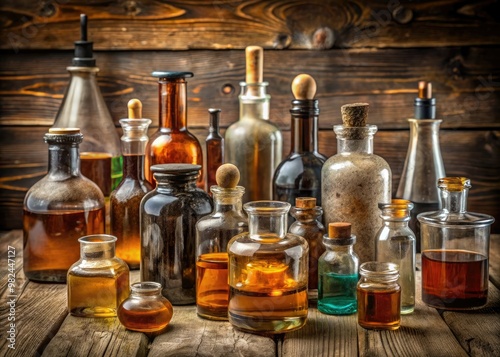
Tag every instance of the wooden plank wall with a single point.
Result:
(360, 50)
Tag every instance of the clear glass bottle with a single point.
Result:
(99, 281)
(215, 148)
(338, 271)
(355, 180)
(83, 107)
(423, 164)
(168, 230)
(268, 272)
(173, 142)
(60, 208)
(145, 310)
(395, 243)
(213, 233)
(125, 200)
(308, 225)
(253, 143)
(455, 250)
(299, 174)
(379, 296)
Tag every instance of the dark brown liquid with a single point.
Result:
(379, 309)
(454, 279)
(96, 166)
(215, 158)
(155, 317)
(51, 241)
(212, 289)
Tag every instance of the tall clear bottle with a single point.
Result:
(173, 142)
(83, 107)
(60, 208)
(253, 143)
(355, 180)
(423, 164)
(214, 145)
(125, 200)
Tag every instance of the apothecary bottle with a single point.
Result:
(395, 243)
(455, 250)
(60, 208)
(338, 271)
(379, 296)
(99, 281)
(173, 142)
(355, 180)
(125, 200)
(214, 145)
(146, 309)
(267, 272)
(308, 225)
(168, 230)
(253, 143)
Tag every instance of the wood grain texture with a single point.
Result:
(224, 24)
(494, 260)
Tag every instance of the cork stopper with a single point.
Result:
(424, 90)
(227, 176)
(254, 56)
(134, 109)
(64, 131)
(339, 230)
(304, 87)
(305, 202)
(354, 115)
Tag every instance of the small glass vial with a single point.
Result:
(145, 310)
(214, 145)
(455, 250)
(379, 296)
(213, 233)
(395, 243)
(308, 225)
(168, 230)
(268, 273)
(99, 281)
(338, 271)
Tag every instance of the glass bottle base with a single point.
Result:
(93, 311)
(335, 306)
(47, 276)
(267, 326)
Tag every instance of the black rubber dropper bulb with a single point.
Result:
(83, 48)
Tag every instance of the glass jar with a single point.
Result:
(214, 145)
(168, 230)
(99, 281)
(308, 225)
(395, 243)
(379, 296)
(455, 250)
(338, 271)
(267, 273)
(60, 208)
(145, 310)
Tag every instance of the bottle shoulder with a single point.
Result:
(253, 127)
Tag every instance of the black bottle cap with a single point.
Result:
(83, 48)
(425, 104)
(176, 168)
(172, 74)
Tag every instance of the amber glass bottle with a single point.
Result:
(215, 149)
(60, 208)
(173, 143)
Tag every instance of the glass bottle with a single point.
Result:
(267, 272)
(173, 142)
(395, 243)
(455, 250)
(60, 208)
(83, 107)
(99, 281)
(338, 271)
(168, 230)
(379, 296)
(125, 200)
(213, 233)
(253, 143)
(215, 148)
(308, 225)
(299, 174)
(355, 180)
(145, 310)
(423, 164)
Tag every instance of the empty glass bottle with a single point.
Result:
(215, 148)
(60, 208)
(267, 272)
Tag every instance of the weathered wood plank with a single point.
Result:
(207, 338)
(495, 259)
(466, 84)
(312, 24)
(7, 240)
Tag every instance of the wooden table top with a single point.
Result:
(43, 327)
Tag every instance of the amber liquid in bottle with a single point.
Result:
(151, 320)
(379, 309)
(96, 166)
(212, 289)
(59, 234)
(454, 279)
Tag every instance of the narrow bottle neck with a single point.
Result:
(254, 101)
(133, 167)
(228, 199)
(97, 251)
(64, 159)
(172, 99)
(364, 145)
(454, 201)
(304, 134)
(339, 248)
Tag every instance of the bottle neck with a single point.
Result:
(64, 159)
(172, 99)
(133, 167)
(454, 201)
(228, 199)
(267, 220)
(339, 248)
(304, 134)
(355, 139)
(306, 215)
(254, 102)
(97, 247)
